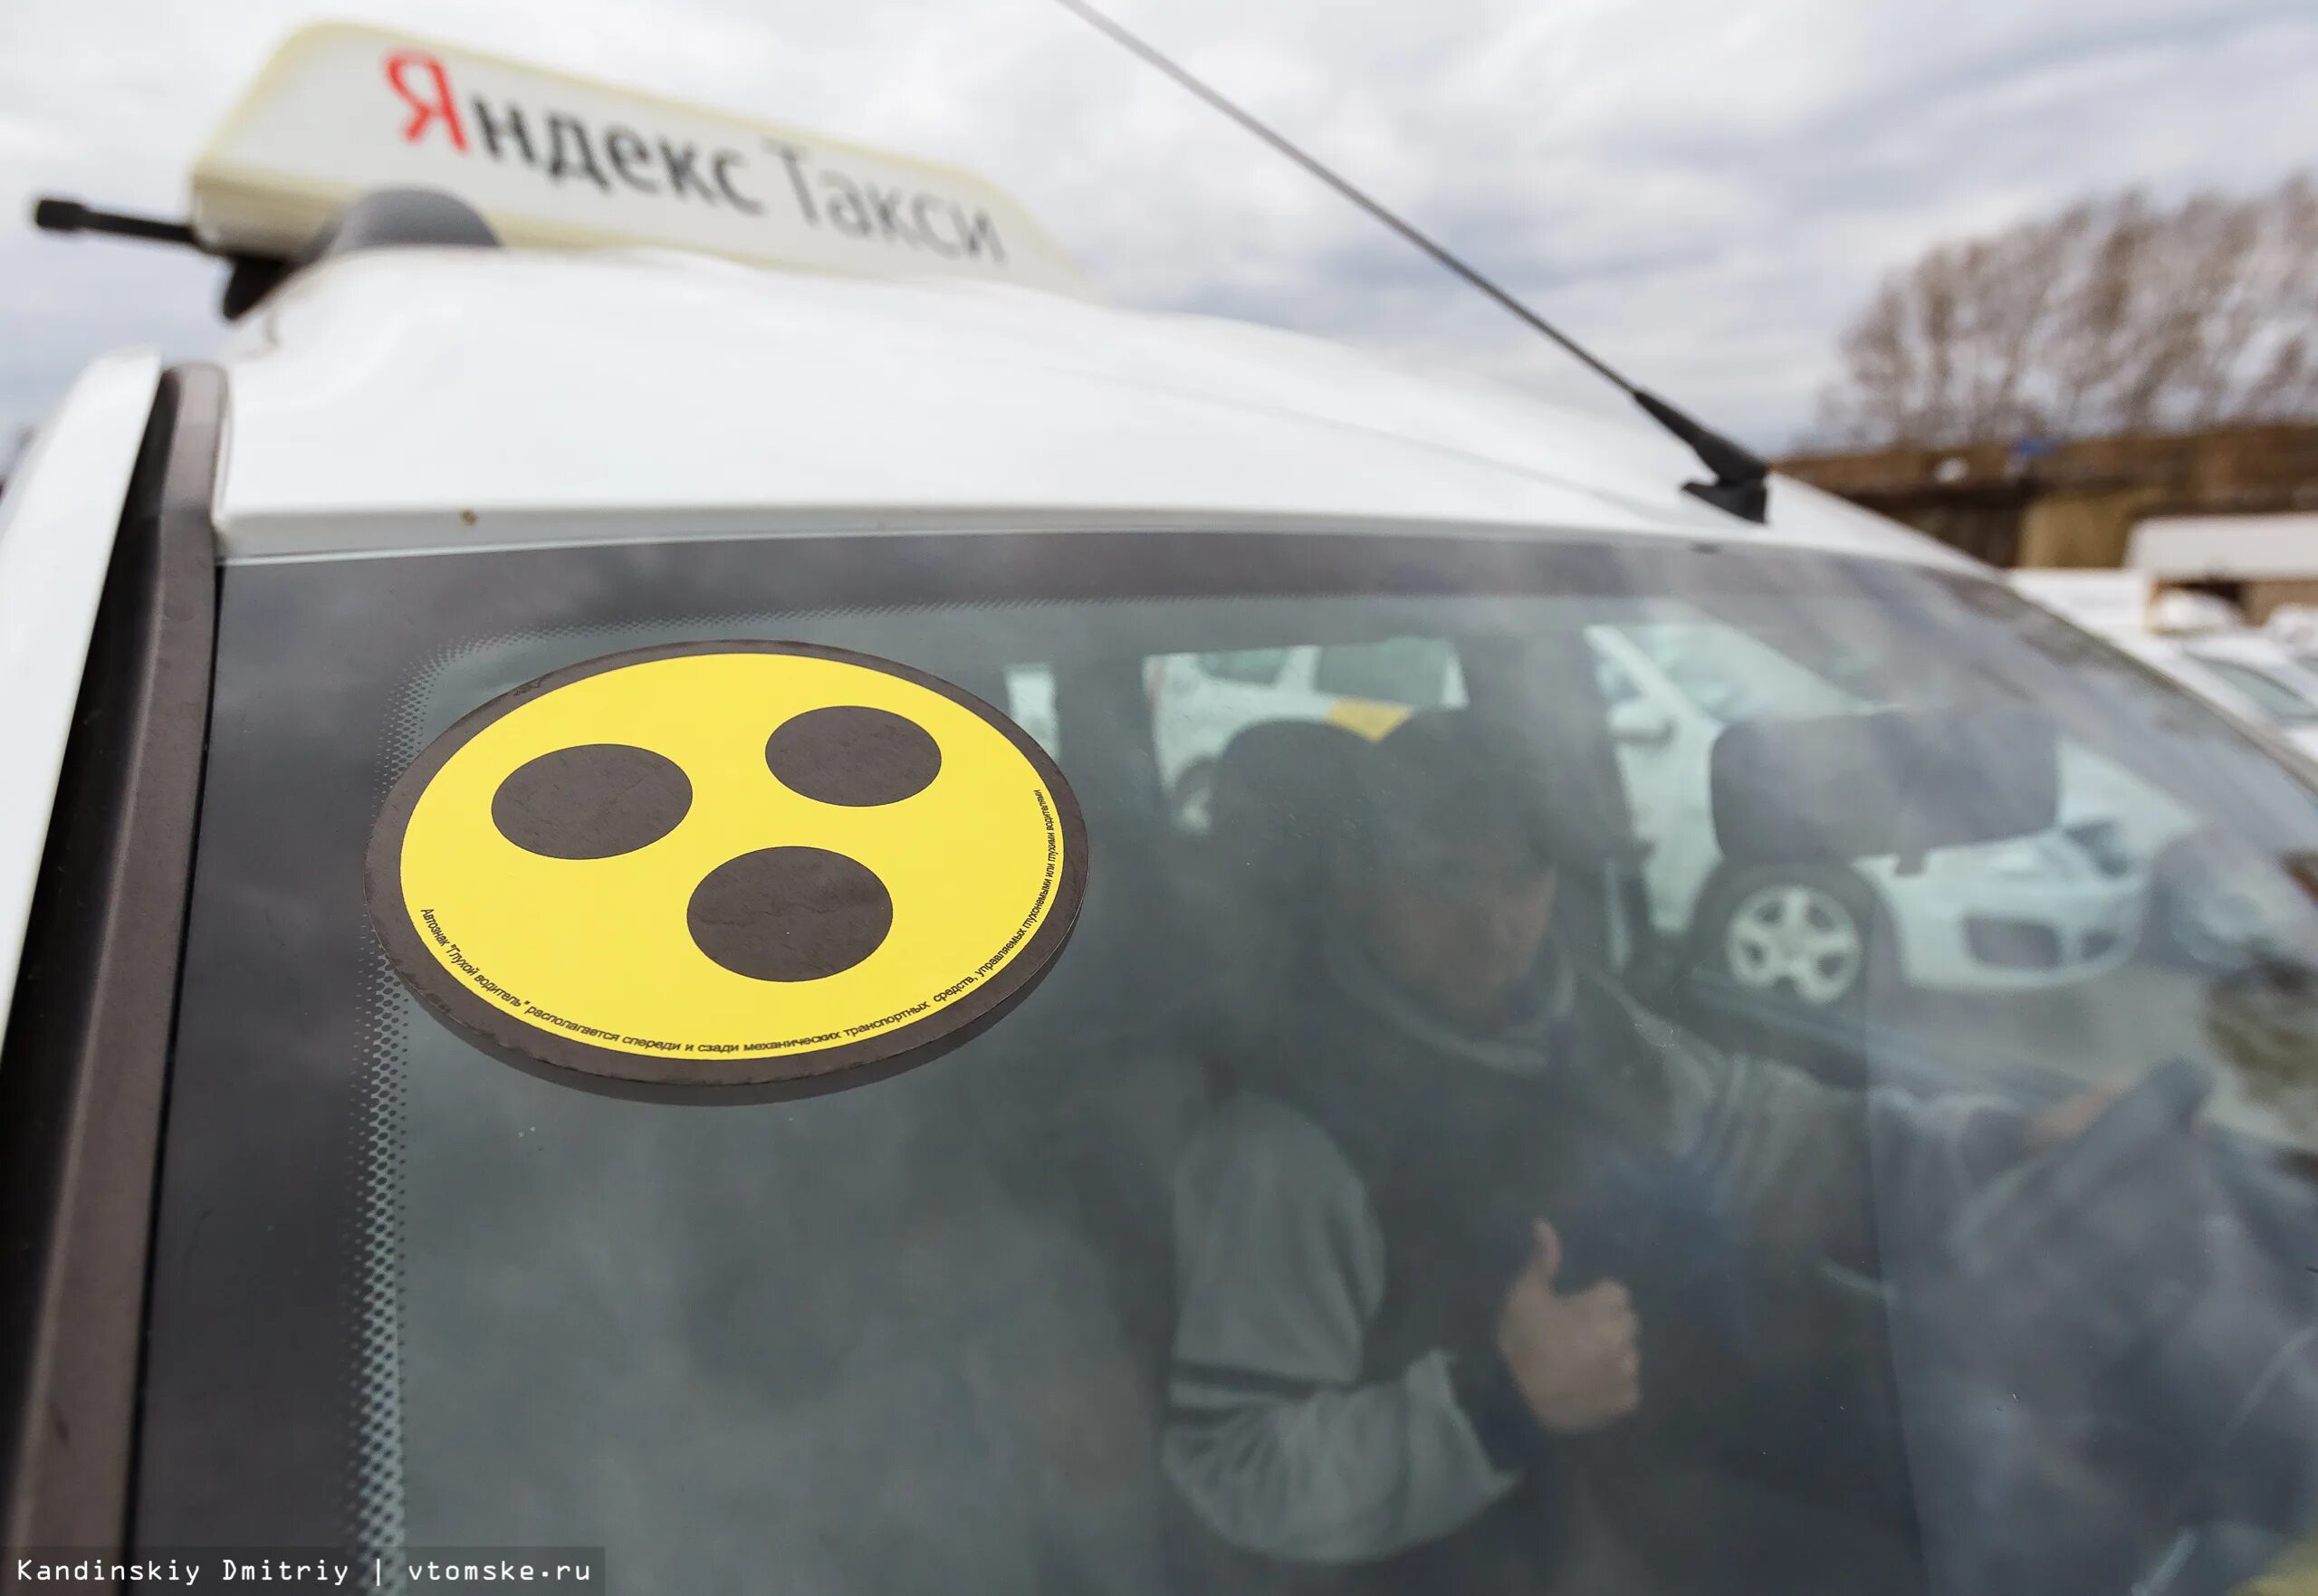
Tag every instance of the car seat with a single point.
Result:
(1256, 885)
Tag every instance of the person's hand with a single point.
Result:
(1576, 1359)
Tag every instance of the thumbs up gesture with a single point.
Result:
(1576, 1358)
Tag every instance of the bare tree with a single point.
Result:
(2115, 315)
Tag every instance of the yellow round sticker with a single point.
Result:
(727, 868)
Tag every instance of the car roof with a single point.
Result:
(425, 399)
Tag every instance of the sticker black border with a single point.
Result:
(657, 1078)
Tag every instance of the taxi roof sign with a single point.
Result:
(550, 160)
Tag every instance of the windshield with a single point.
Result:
(1486, 1131)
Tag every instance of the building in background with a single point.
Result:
(2032, 503)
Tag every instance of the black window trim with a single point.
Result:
(83, 1070)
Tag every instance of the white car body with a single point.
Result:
(2294, 628)
(56, 527)
(2251, 676)
(1945, 914)
(2196, 640)
(2087, 907)
(414, 401)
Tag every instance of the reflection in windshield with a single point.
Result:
(1399, 1183)
(1734, 677)
(2273, 697)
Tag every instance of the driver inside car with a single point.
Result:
(1477, 1258)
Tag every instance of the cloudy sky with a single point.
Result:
(1702, 190)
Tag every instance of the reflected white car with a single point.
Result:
(2057, 907)
(2252, 676)
(2061, 906)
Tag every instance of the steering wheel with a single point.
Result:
(2028, 1203)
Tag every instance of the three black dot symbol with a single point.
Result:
(786, 913)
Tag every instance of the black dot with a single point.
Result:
(853, 755)
(591, 802)
(790, 914)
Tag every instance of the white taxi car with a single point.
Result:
(2042, 911)
(2245, 672)
(599, 973)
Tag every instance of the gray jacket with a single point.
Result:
(1277, 1442)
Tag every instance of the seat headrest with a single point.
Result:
(1279, 798)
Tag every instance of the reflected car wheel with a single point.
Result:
(1806, 935)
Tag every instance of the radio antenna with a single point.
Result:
(1741, 484)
